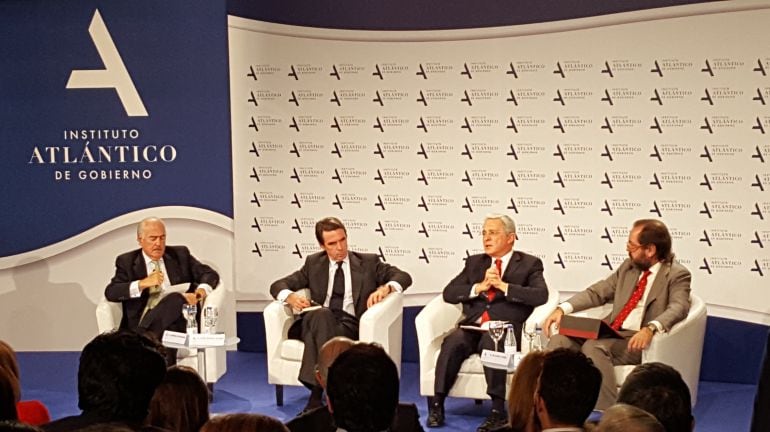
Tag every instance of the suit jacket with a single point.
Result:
(668, 301)
(181, 267)
(526, 288)
(407, 419)
(367, 273)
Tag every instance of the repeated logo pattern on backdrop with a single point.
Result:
(575, 134)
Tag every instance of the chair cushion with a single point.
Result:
(292, 349)
(472, 365)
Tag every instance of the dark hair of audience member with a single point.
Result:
(16, 426)
(8, 360)
(627, 418)
(660, 390)
(363, 389)
(180, 402)
(521, 396)
(8, 388)
(569, 386)
(118, 374)
(107, 427)
(243, 422)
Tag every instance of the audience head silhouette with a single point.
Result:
(118, 374)
(363, 389)
(521, 395)
(243, 422)
(568, 389)
(660, 390)
(628, 418)
(181, 401)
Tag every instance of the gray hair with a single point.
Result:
(508, 223)
(143, 222)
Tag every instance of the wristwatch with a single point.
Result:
(653, 328)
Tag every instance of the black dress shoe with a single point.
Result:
(495, 420)
(435, 416)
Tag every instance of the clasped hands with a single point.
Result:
(491, 280)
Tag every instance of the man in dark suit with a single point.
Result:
(143, 276)
(650, 292)
(500, 284)
(345, 283)
(321, 420)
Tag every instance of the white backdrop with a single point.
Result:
(575, 129)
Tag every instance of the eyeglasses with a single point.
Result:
(632, 246)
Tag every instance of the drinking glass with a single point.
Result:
(529, 333)
(210, 317)
(496, 331)
(189, 311)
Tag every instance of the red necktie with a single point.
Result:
(491, 293)
(632, 302)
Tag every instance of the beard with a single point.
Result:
(641, 263)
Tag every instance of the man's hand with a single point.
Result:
(554, 318)
(297, 302)
(641, 340)
(378, 295)
(154, 278)
(492, 280)
(191, 298)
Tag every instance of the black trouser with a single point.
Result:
(314, 329)
(458, 346)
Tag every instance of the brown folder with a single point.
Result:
(586, 328)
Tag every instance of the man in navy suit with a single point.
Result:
(143, 277)
(500, 284)
(345, 283)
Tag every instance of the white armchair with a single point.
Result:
(109, 314)
(435, 321)
(680, 348)
(382, 323)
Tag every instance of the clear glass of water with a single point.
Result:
(189, 311)
(496, 331)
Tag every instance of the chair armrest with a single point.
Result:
(540, 313)
(379, 316)
(108, 315)
(278, 318)
(383, 323)
(433, 323)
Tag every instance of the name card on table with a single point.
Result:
(499, 360)
(206, 339)
(172, 337)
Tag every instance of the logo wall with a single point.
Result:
(575, 134)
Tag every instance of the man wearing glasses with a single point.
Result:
(650, 292)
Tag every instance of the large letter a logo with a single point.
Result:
(114, 75)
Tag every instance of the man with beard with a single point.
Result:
(650, 292)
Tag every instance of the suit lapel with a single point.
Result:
(658, 283)
(513, 264)
(356, 277)
(631, 278)
(140, 268)
(172, 267)
(321, 275)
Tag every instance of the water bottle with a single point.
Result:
(537, 342)
(510, 340)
